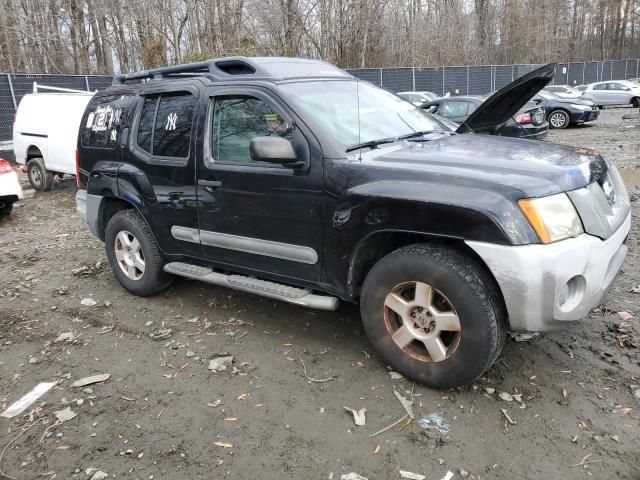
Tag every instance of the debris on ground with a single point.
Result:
(434, 421)
(88, 302)
(352, 476)
(102, 377)
(20, 405)
(161, 334)
(411, 475)
(524, 337)
(463, 473)
(507, 397)
(507, 416)
(406, 404)
(65, 414)
(624, 315)
(220, 364)
(99, 475)
(448, 476)
(358, 415)
(396, 376)
(490, 390)
(65, 337)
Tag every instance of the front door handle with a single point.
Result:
(210, 183)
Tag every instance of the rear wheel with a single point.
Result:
(635, 101)
(434, 314)
(559, 119)
(39, 177)
(133, 254)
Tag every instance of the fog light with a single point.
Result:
(571, 293)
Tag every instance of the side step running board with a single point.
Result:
(278, 291)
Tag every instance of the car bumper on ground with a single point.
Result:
(545, 286)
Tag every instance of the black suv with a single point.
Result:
(291, 179)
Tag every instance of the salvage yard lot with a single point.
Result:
(573, 396)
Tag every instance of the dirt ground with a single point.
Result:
(575, 394)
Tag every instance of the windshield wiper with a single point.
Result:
(416, 134)
(370, 144)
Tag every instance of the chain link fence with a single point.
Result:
(461, 80)
(482, 79)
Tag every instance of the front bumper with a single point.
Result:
(584, 117)
(545, 286)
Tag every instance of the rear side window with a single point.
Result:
(165, 124)
(105, 119)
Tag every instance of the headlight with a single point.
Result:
(553, 218)
(581, 107)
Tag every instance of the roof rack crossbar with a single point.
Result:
(157, 73)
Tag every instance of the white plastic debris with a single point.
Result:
(448, 476)
(411, 475)
(65, 414)
(24, 402)
(220, 364)
(507, 397)
(99, 475)
(88, 302)
(358, 415)
(102, 377)
(352, 476)
(65, 337)
(396, 376)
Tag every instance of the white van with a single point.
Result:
(45, 133)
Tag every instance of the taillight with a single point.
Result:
(523, 118)
(5, 167)
(78, 184)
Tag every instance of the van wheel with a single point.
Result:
(434, 315)
(134, 255)
(39, 177)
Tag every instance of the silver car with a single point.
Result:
(615, 92)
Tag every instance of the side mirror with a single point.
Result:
(273, 150)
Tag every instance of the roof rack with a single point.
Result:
(220, 67)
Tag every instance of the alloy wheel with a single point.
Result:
(422, 321)
(129, 255)
(558, 120)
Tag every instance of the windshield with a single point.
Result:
(334, 106)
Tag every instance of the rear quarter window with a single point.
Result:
(105, 118)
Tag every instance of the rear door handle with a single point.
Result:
(210, 183)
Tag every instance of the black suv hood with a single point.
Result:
(502, 105)
(518, 168)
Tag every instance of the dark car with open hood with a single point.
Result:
(291, 179)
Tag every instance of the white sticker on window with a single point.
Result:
(90, 120)
(171, 122)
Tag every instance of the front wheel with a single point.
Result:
(434, 315)
(133, 254)
(559, 119)
(5, 208)
(635, 102)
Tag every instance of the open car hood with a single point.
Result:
(502, 105)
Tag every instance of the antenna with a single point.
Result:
(358, 106)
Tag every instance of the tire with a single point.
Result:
(39, 177)
(559, 119)
(635, 102)
(462, 289)
(137, 264)
(6, 209)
